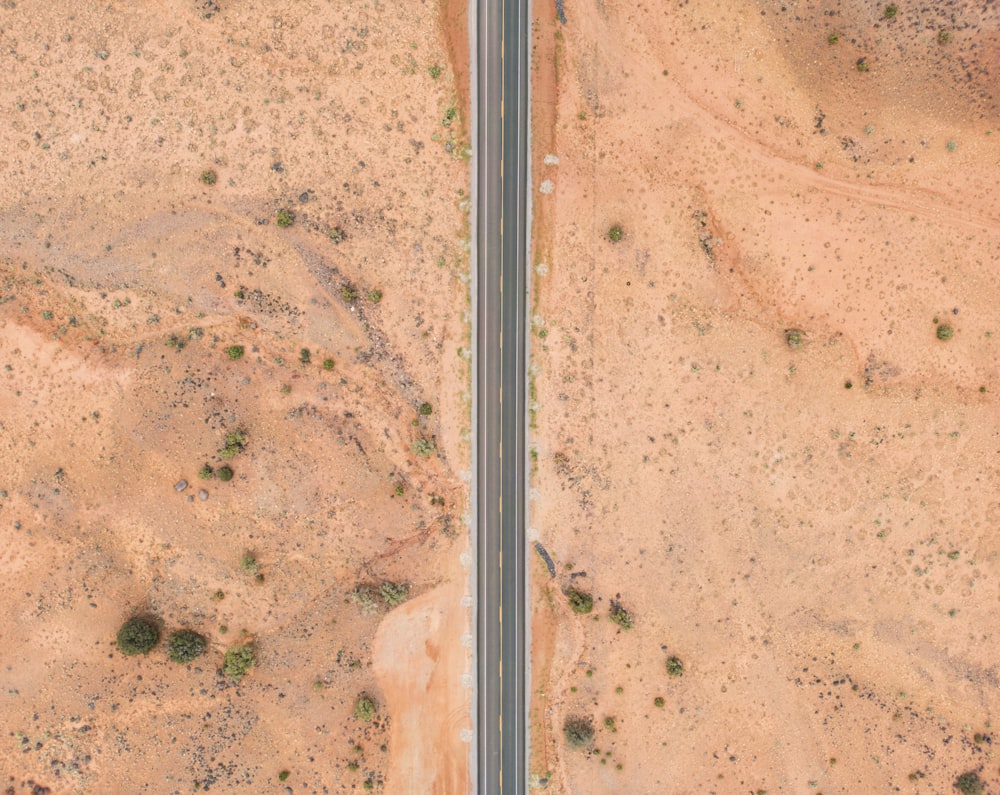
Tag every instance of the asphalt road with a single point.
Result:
(501, 177)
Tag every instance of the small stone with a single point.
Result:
(304, 197)
(180, 485)
(190, 498)
(551, 160)
(202, 495)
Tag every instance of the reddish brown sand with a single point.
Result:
(823, 560)
(123, 281)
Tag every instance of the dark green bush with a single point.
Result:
(234, 352)
(285, 218)
(185, 645)
(235, 442)
(616, 233)
(238, 661)
(426, 409)
(305, 356)
(578, 731)
(138, 636)
(969, 784)
(348, 294)
(675, 667)
(579, 601)
(658, 701)
(945, 332)
(209, 177)
(621, 616)
(224, 473)
(365, 707)
(328, 364)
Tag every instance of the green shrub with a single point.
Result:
(658, 701)
(209, 177)
(394, 593)
(234, 443)
(374, 296)
(578, 731)
(945, 332)
(833, 38)
(249, 564)
(862, 64)
(423, 448)
(609, 724)
(305, 356)
(364, 707)
(337, 234)
(434, 71)
(891, 11)
(675, 667)
(616, 233)
(969, 784)
(793, 337)
(206, 472)
(283, 775)
(224, 473)
(185, 645)
(944, 36)
(579, 601)
(348, 294)
(238, 661)
(138, 636)
(328, 364)
(425, 410)
(285, 218)
(621, 616)
(367, 597)
(234, 352)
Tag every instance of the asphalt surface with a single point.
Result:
(500, 49)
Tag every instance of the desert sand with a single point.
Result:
(808, 521)
(148, 150)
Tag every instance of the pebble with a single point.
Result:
(180, 485)
(203, 495)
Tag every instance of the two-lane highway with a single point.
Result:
(500, 52)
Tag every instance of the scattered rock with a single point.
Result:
(551, 160)
(546, 187)
(180, 485)
(202, 495)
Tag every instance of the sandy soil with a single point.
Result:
(124, 279)
(811, 530)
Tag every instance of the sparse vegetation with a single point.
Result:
(890, 11)
(365, 707)
(234, 444)
(579, 601)
(944, 332)
(616, 233)
(283, 775)
(336, 234)
(621, 616)
(138, 636)
(794, 338)
(209, 177)
(348, 294)
(658, 701)
(328, 364)
(249, 564)
(206, 472)
(234, 352)
(944, 36)
(285, 218)
(394, 593)
(374, 296)
(434, 71)
(675, 667)
(185, 645)
(862, 64)
(238, 661)
(426, 409)
(609, 724)
(423, 448)
(833, 38)
(578, 731)
(969, 784)
(305, 356)
(224, 473)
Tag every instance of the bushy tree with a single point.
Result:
(578, 731)
(579, 601)
(138, 636)
(238, 661)
(185, 645)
